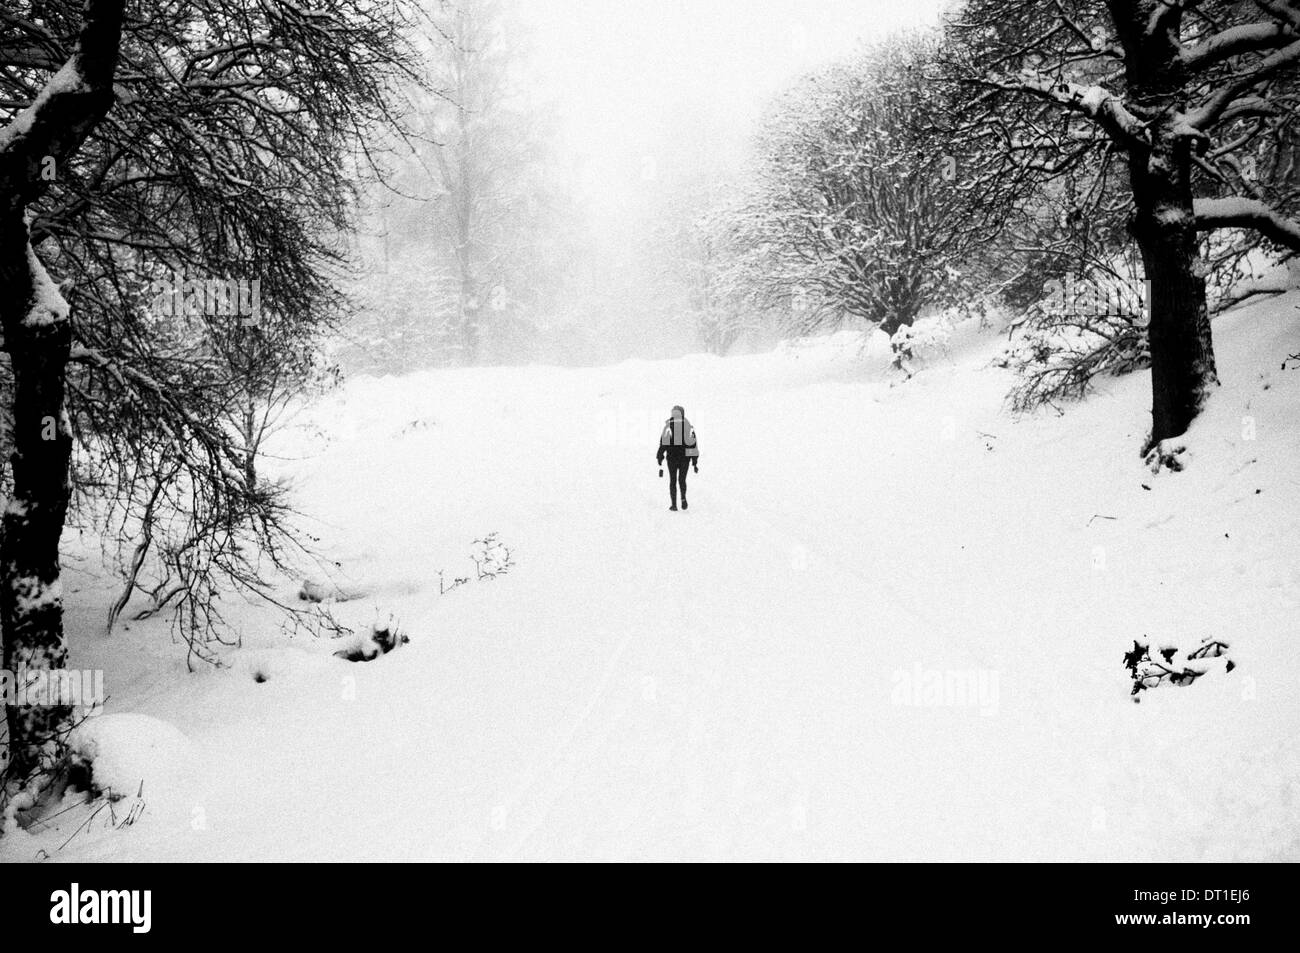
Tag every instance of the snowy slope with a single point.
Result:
(746, 679)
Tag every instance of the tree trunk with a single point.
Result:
(902, 307)
(1179, 335)
(37, 337)
(1164, 223)
(896, 321)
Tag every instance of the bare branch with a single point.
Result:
(1241, 212)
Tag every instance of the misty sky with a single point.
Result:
(631, 80)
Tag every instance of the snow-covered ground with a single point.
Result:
(753, 678)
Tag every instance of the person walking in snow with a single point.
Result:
(677, 443)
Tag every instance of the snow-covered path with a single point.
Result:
(732, 681)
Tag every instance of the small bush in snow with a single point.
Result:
(1068, 339)
(380, 640)
(314, 590)
(1171, 454)
(917, 342)
(492, 558)
(1169, 665)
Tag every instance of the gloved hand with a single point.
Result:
(695, 466)
(661, 471)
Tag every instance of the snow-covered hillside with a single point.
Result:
(754, 678)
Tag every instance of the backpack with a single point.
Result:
(678, 432)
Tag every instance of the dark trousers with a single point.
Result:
(677, 475)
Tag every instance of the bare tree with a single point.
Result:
(38, 339)
(861, 212)
(1195, 98)
(218, 181)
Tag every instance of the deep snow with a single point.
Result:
(753, 678)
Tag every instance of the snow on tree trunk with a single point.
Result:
(1181, 344)
(1164, 225)
(37, 337)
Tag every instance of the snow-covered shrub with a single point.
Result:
(1080, 329)
(1089, 317)
(128, 755)
(320, 591)
(921, 341)
(380, 640)
(1169, 454)
(1169, 665)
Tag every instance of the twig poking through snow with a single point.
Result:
(494, 558)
